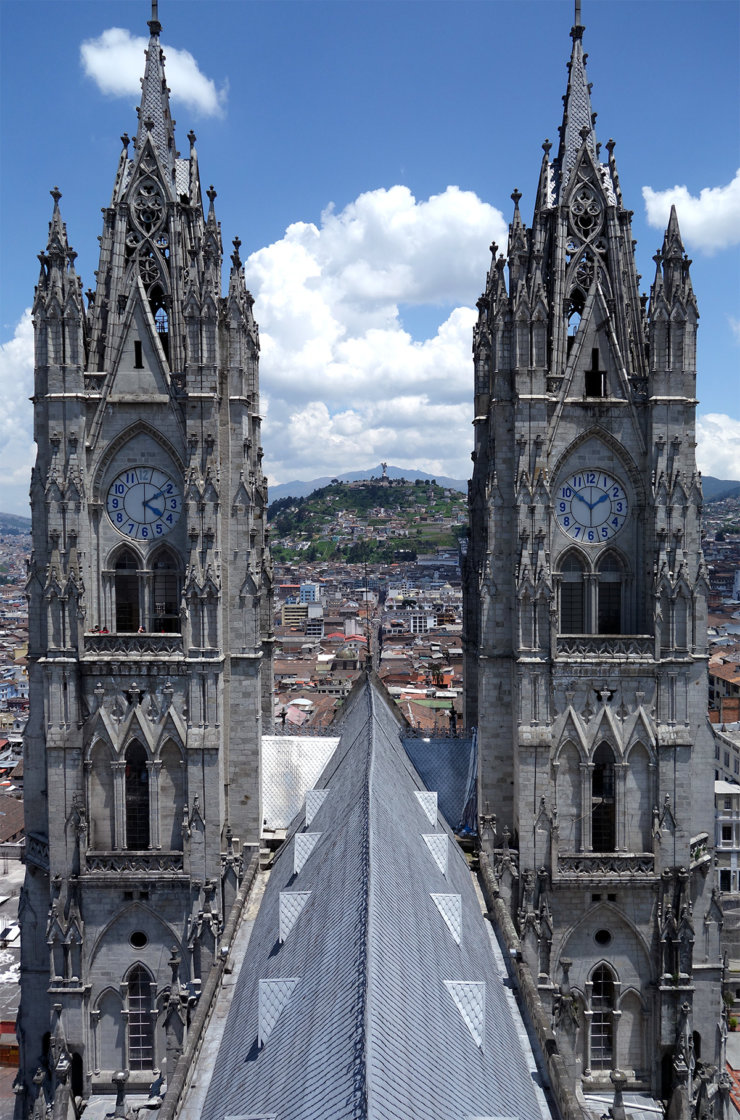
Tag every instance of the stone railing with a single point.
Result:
(36, 851)
(599, 864)
(617, 646)
(124, 645)
(137, 863)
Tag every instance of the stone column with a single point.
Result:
(119, 803)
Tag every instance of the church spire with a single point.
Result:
(154, 112)
(578, 118)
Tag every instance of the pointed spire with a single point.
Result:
(154, 111)
(578, 118)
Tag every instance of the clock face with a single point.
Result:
(591, 506)
(144, 503)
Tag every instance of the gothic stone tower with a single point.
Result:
(586, 620)
(149, 591)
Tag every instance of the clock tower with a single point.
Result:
(586, 654)
(149, 595)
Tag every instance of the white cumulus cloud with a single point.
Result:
(114, 61)
(16, 418)
(346, 384)
(708, 223)
(718, 446)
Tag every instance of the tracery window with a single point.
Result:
(140, 1024)
(609, 595)
(592, 599)
(165, 607)
(572, 596)
(603, 800)
(127, 592)
(137, 798)
(602, 1022)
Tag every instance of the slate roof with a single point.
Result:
(385, 998)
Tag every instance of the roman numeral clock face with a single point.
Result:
(144, 503)
(591, 506)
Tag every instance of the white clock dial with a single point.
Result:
(591, 506)
(144, 503)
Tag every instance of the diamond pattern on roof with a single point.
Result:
(450, 907)
(428, 802)
(303, 844)
(470, 997)
(315, 798)
(274, 994)
(437, 844)
(291, 904)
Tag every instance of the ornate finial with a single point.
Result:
(212, 194)
(516, 195)
(126, 140)
(191, 138)
(56, 194)
(578, 14)
(236, 260)
(546, 147)
(154, 25)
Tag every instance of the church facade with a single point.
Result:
(586, 650)
(150, 617)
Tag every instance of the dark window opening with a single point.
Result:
(725, 880)
(137, 798)
(140, 1026)
(602, 1029)
(138, 358)
(572, 598)
(610, 595)
(161, 319)
(127, 593)
(595, 378)
(166, 592)
(576, 303)
(602, 800)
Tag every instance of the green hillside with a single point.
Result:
(367, 521)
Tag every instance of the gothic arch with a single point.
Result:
(568, 795)
(638, 799)
(116, 933)
(101, 797)
(137, 795)
(139, 427)
(615, 447)
(108, 1030)
(139, 1021)
(172, 795)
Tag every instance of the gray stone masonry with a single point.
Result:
(586, 594)
(150, 620)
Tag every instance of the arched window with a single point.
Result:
(137, 798)
(609, 607)
(171, 797)
(140, 1022)
(602, 1023)
(127, 592)
(602, 800)
(161, 319)
(165, 609)
(572, 596)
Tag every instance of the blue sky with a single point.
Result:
(365, 152)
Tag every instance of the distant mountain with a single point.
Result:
(715, 489)
(11, 524)
(299, 489)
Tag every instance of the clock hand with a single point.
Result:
(601, 499)
(584, 500)
(158, 512)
